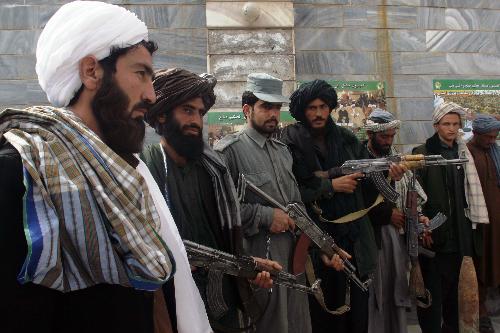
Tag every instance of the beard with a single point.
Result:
(266, 127)
(380, 149)
(187, 146)
(122, 133)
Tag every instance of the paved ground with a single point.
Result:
(493, 304)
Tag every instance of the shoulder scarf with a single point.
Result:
(88, 215)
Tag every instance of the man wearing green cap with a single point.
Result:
(267, 163)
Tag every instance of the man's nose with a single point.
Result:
(149, 94)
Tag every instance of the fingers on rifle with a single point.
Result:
(357, 175)
(276, 265)
(325, 259)
(346, 255)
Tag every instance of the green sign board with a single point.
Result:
(354, 85)
(464, 85)
(237, 118)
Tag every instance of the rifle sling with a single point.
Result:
(351, 216)
(311, 277)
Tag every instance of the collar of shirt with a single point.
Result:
(447, 147)
(259, 139)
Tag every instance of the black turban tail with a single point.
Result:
(176, 86)
(307, 93)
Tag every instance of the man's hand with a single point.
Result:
(397, 171)
(346, 184)
(398, 219)
(424, 220)
(281, 222)
(335, 262)
(427, 235)
(263, 279)
(427, 239)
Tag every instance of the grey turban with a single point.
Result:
(484, 123)
(380, 120)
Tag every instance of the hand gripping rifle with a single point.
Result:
(241, 266)
(374, 168)
(296, 212)
(413, 228)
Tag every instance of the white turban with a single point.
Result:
(76, 30)
(444, 108)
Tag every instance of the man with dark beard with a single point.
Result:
(268, 231)
(318, 148)
(389, 293)
(196, 184)
(84, 232)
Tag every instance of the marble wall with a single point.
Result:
(406, 43)
(179, 27)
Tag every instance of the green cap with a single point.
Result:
(266, 88)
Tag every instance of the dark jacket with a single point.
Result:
(356, 236)
(33, 308)
(444, 186)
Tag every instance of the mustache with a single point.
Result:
(193, 125)
(143, 105)
(319, 118)
(272, 119)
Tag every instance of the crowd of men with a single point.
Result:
(93, 223)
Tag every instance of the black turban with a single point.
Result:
(307, 93)
(176, 86)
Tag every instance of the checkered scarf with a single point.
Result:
(88, 215)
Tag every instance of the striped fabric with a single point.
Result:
(476, 210)
(88, 215)
(403, 185)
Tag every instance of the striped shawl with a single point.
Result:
(88, 215)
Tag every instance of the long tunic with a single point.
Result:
(489, 270)
(389, 295)
(268, 164)
(355, 237)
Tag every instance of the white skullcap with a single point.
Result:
(76, 30)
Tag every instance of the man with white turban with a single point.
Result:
(486, 154)
(453, 191)
(86, 239)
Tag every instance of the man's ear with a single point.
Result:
(91, 72)
(246, 110)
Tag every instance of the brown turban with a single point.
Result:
(176, 86)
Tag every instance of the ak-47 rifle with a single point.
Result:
(217, 263)
(413, 228)
(296, 212)
(241, 266)
(374, 168)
